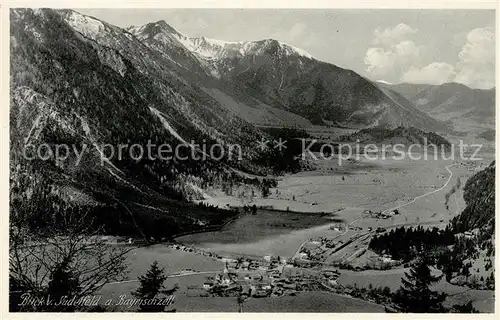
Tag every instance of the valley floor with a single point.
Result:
(344, 205)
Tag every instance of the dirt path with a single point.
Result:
(425, 194)
(404, 205)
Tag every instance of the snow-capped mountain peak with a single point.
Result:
(154, 28)
(213, 48)
(213, 57)
(208, 48)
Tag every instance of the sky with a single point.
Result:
(393, 45)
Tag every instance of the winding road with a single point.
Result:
(425, 194)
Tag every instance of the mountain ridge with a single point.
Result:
(287, 78)
(454, 103)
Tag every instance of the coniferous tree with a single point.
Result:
(415, 294)
(63, 283)
(151, 286)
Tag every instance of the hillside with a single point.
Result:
(407, 90)
(471, 261)
(488, 135)
(479, 196)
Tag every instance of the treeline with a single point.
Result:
(412, 134)
(289, 133)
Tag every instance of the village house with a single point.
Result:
(246, 290)
(263, 286)
(257, 277)
(260, 294)
(244, 265)
(331, 273)
(208, 284)
(233, 289)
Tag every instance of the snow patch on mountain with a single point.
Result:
(384, 82)
(214, 49)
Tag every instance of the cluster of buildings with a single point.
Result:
(331, 276)
(382, 215)
(250, 278)
(255, 279)
(310, 254)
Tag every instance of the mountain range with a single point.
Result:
(81, 81)
(453, 103)
(286, 84)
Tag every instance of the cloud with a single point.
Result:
(434, 73)
(476, 65)
(394, 35)
(395, 59)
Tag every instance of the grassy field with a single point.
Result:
(419, 187)
(302, 302)
(311, 302)
(172, 260)
(347, 190)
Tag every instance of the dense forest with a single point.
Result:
(408, 243)
(409, 135)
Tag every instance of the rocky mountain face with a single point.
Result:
(454, 103)
(282, 77)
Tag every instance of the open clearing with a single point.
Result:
(175, 260)
(418, 188)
